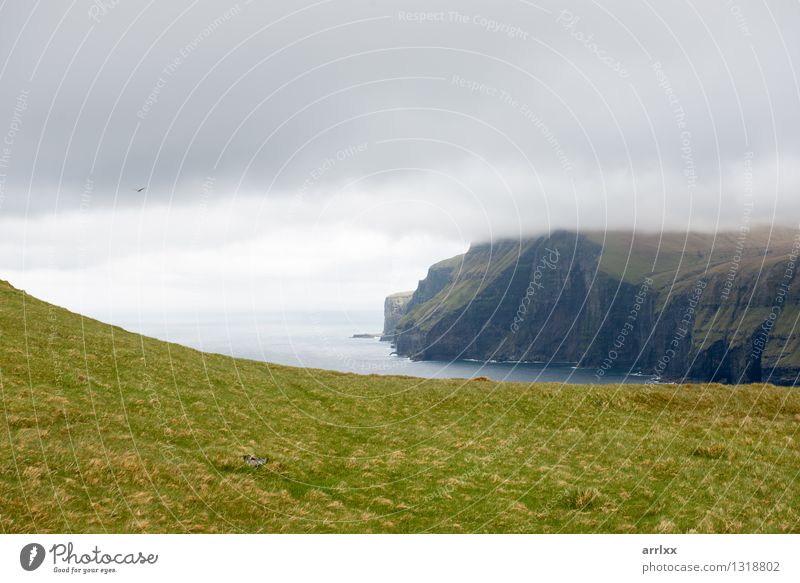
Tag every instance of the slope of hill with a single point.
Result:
(107, 431)
(708, 307)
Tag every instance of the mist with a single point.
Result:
(323, 155)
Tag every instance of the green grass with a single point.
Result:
(102, 430)
(677, 259)
(469, 274)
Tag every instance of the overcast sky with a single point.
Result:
(303, 155)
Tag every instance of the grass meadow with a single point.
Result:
(102, 430)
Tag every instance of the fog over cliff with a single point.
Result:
(323, 154)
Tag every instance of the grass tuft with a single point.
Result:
(582, 499)
(715, 451)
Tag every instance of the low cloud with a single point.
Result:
(336, 149)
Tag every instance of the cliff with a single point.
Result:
(707, 307)
(394, 307)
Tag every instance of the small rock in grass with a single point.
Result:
(253, 461)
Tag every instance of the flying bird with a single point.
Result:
(139, 189)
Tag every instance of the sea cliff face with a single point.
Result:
(394, 307)
(716, 308)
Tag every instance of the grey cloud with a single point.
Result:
(496, 118)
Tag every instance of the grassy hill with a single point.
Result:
(670, 257)
(102, 430)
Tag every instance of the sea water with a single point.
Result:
(325, 340)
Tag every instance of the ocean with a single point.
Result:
(325, 340)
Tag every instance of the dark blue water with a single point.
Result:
(324, 340)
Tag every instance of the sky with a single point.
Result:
(321, 155)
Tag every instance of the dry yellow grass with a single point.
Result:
(104, 431)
